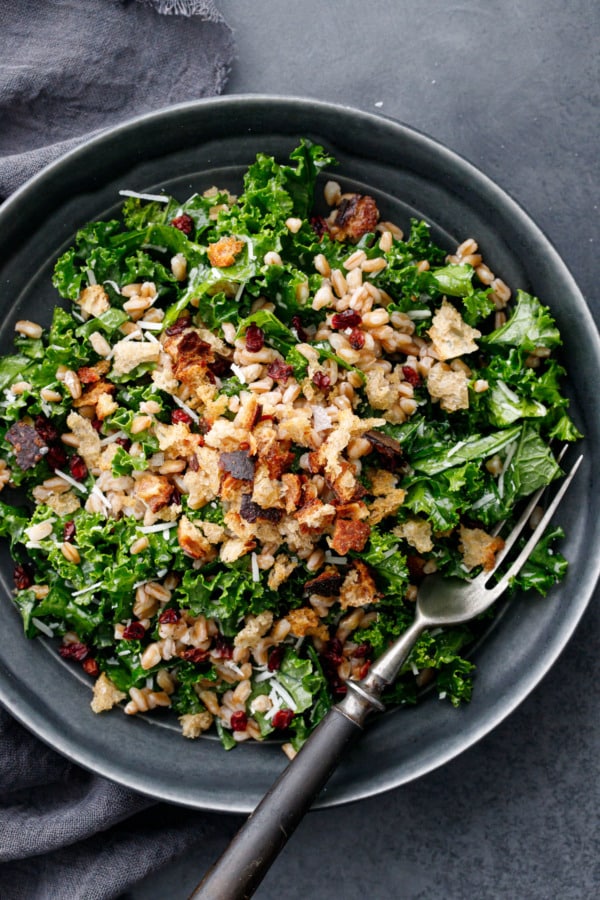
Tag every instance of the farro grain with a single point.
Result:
(339, 283)
(29, 329)
(70, 553)
(139, 545)
(179, 266)
(386, 241)
(50, 395)
(293, 224)
(321, 264)
(332, 193)
(372, 266)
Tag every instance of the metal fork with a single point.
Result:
(440, 602)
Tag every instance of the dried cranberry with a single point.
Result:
(184, 223)
(45, 429)
(364, 669)
(319, 225)
(56, 457)
(222, 648)
(69, 531)
(195, 655)
(279, 371)
(91, 667)
(321, 381)
(239, 721)
(297, 326)
(134, 632)
(125, 443)
(179, 416)
(22, 577)
(412, 376)
(97, 424)
(179, 325)
(339, 687)
(169, 616)
(347, 319)
(275, 658)
(175, 497)
(78, 468)
(356, 339)
(334, 651)
(76, 651)
(362, 651)
(255, 338)
(283, 718)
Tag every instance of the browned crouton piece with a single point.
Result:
(448, 386)
(450, 334)
(386, 506)
(106, 694)
(93, 300)
(154, 490)
(192, 541)
(280, 571)
(358, 588)
(349, 535)
(224, 252)
(305, 621)
(315, 515)
(479, 548)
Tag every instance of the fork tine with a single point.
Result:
(519, 526)
(539, 530)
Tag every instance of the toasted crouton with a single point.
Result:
(94, 300)
(315, 515)
(88, 441)
(105, 406)
(155, 491)
(349, 535)
(358, 588)
(192, 541)
(266, 491)
(193, 724)
(253, 630)
(234, 548)
(224, 252)
(382, 482)
(128, 355)
(386, 505)
(479, 548)
(106, 694)
(450, 334)
(305, 621)
(63, 504)
(202, 486)
(177, 441)
(450, 387)
(280, 571)
(417, 532)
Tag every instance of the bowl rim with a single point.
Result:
(11, 695)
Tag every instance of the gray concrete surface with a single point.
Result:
(513, 86)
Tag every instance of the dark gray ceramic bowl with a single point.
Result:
(191, 147)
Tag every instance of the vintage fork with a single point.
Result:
(440, 602)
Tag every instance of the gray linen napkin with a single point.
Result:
(69, 69)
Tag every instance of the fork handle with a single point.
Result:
(245, 862)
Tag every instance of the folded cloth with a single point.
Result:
(69, 69)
